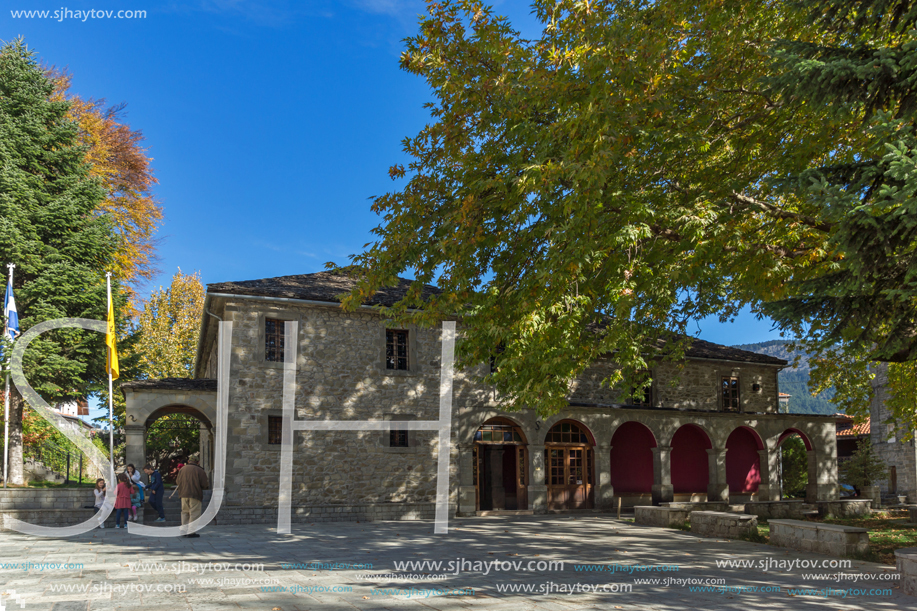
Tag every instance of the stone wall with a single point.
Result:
(830, 539)
(694, 385)
(906, 561)
(721, 524)
(895, 453)
(663, 517)
(340, 376)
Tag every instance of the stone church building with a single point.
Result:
(708, 430)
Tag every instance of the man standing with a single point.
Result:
(156, 491)
(191, 481)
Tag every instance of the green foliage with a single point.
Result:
(795, 464)
(864, 468)
(861, 306)
(48, 228)
(594, 190)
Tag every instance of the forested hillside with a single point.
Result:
(795, 380)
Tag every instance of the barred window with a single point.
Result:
(396, 349)
(274, 430)
(730, 393)
(273, 340)
(398, 438)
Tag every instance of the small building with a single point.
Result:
(708, 428)
(898, 453)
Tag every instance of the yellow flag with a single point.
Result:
(110, 339)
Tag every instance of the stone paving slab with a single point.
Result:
(593, 550)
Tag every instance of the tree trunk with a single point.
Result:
(16, 472)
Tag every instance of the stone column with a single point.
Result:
(717, 485)
(467, 505)
(662, 475)
(493, 464)
(769, 488)
(812, 485)
(135, 445)
(538, 491)
(206, 449)
(604, 491)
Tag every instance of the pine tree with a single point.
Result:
(862, 305)
(48, 228)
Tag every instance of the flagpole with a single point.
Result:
(111, 409)
(6, 404)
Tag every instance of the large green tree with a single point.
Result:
(860, 309)
(50, 230)
(596, 189)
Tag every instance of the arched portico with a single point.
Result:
(149, 400)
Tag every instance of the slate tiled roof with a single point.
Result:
(172, 384)
(328, 286)
(707, 350)
(322, 286)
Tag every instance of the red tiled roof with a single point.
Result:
(859, 428)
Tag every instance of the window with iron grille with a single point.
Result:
(730, 393)
(274, 430)
(398, 438)
(273, 340)
(396, 349)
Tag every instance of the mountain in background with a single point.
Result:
(795, 380)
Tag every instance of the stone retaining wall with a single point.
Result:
(721, 524)
(44, 498)
(664, 517)
(831, 539)
(848, 508)
(245, 515)
(768, 510)
(698, 506)
(906, 559)
(912, 514)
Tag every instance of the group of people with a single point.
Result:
(131, 492)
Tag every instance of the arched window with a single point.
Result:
(498, 432)
(567, 432)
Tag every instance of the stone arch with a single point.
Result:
(631, 457)
(149, 400)
(569, 458)
(811, 462)
(743, 461)
(690, 460)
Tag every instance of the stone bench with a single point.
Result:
(664, 517)
(769, 510)
(830, 539)
(906, 559)
(722, 524)
(846, 508)
(698, 506)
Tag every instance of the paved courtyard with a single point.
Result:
(326, 566)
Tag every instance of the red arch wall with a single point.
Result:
(743, 469)
(632, 458)
(690, 470)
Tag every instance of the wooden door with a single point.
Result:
(569, 477)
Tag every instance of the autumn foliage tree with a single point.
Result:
(116, 155)
(167, 328)
(166, 339)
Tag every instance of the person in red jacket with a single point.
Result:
(122, 500)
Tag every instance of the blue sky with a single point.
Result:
(271, 124)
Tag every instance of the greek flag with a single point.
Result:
(11, 330)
